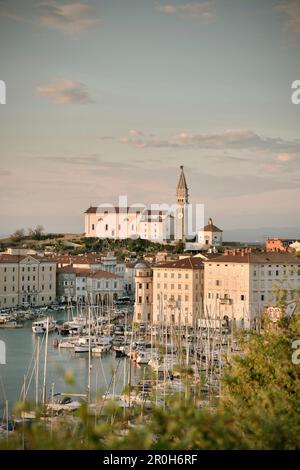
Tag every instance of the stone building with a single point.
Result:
(26, 280)
(240, 285)
(170, 292)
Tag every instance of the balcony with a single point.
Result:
(225, 301)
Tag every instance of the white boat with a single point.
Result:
(143, 357)
(40, 326)
(83, 345)
(7, 321)
(66, 344)
(101, 348)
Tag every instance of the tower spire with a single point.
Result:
(182, 192)
(182, 198)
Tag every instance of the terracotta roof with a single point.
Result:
(5, 258)
(211, 228)
(185, 263)
(114, 209)
(256, 258)
(103, 275)
(87, 272)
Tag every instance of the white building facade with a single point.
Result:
(239, 286)
(210, 235)
(26, 280)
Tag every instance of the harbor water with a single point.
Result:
(67, 371)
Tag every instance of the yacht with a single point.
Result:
(40, 326)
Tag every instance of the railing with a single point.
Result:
(225, 301)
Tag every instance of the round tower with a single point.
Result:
(143, 294)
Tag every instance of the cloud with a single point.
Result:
(200, 10)
(9, 11)
(5, 173)
(88, 161)
(135, 132)
(71, 19)
(230, 139)
(284, 157)
(66, 92)
(291, 12)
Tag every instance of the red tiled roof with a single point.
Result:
(87, 272)
(256, 258)
(185, 263)
(6, 258)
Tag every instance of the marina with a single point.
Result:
(93, 354)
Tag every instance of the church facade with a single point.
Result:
(159, 224)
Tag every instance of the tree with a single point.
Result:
(18, 235)
(36, 233)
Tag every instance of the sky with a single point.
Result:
(109, 97)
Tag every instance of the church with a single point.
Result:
(161, 223)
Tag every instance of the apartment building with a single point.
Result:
(26, 280)
(170, 292)
(240, 285)
(76, 284)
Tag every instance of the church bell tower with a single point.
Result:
(182, 198)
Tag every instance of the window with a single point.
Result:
(140, 285)
(262, 297)
(186, 276)
(140, 299)
(147, 285)
(277, 272)
(106, 227)
(93, 226)
(242, 297)
(218, 283)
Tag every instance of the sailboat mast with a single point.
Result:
(45, 363)
(90, 362)
(37, 360)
